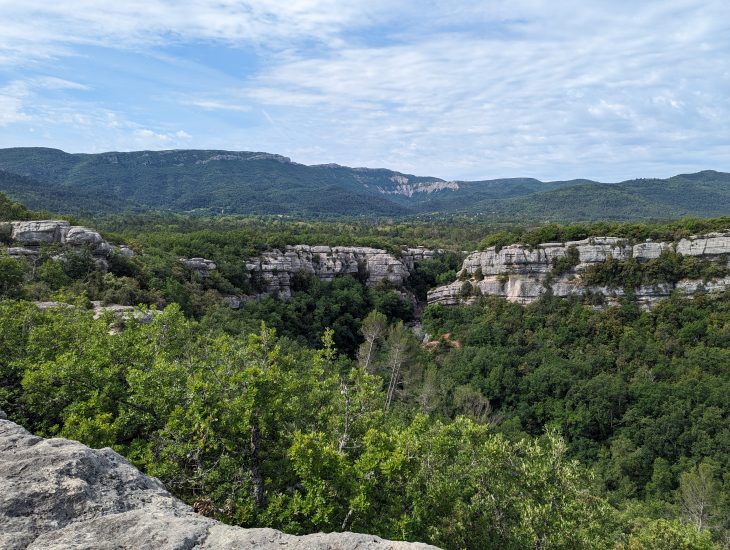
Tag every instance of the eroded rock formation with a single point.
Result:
(522, 274)
(27, 237)
(276, 269)
(199, 266)
(59, 494)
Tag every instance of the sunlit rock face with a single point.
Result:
(522, 274)
(83, 235)
(28, 236)
(58, 494)
(276, 269)
(39, 232)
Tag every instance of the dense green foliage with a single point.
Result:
(641, 396)
(669, 267)
(549, 426)
(255, 430)
(10, 210)
(217, 182)
(45, 196)
(701, 194)
(632, 232)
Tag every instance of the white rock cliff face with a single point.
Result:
(522, 274)
(31, 234)
(42, 231)
(57, 494)
(277, 268)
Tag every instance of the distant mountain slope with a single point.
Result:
(38, 195)
(703, 194)
(261, 183)
(238, 182)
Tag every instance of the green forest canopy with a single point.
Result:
(553, 425)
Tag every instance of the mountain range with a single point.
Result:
(235, 182)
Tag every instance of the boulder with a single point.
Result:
(103, 249)
(82, 235)
(58, 494)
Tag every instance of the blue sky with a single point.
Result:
(460, 90)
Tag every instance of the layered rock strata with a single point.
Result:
(59, 494)
(27, 237)
(273, 271)
(522, 274)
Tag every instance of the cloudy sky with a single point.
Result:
(461, 89)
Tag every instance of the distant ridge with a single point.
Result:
(244, 182)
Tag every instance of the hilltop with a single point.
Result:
(239, 182)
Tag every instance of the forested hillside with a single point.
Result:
(225, 182)
(556, 425)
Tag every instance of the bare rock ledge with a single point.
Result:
(523, 273)
(60, 494)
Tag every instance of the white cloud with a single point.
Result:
(11, 103)
(570, 90)
(47, 28)
(97, 128)
(55, 83)
(606, 89)
(216, 105)
(144, 138)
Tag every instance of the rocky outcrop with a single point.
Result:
(199, 266)
(121, 312)
(39, 232)
(707, 245)
(19, 251)
(59, 494)
(413, 256)
(27, 237)
(83, 235)
(274, 271)
(522, 274)
(403, 186)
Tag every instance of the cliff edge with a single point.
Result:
(60, 494)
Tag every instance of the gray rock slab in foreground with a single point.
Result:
(60, 494)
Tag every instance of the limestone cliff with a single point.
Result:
(27, 237)
(274, 270)
(59, 494)
(522, 274)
